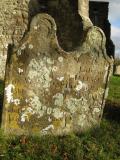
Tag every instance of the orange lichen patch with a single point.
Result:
(57, 123)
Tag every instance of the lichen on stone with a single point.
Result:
(45, 130)
(58, 99)
(9, 92)
(60, 78)
(72, 104)
(39, 73)
(60, 59)
(82, 120)
(57, 113)
(30, 46)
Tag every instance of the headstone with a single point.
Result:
(117, 70)
(50, 91)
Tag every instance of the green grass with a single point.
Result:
(100, 144)
(114, 90)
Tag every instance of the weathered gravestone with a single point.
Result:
(50, 91)
(117, 70)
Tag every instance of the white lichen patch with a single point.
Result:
(49, 119)
(82, 120)
(39, 73)
(101, 91)
(35, 108)
(14, 12)
(44, 108)
(74, 105)
(49, 110)
(29, 81)
(60, 59)
(35, 103)
(26, 112)
(98, 95)
(57, 113)
(9, 93)
(38, 54)
(19, 52)
(20, 70)
(30, 46)
(72, 76)
(23, 47)
(40, 114)
(49, 61)
(85, 86)
(58, 99)
(35, 27)
(26, 100)
(60, 78)
(96, 110)
(6, 46)
(16, 102)
(24, 117)
(81, 85)
(45, 130)
(55, 68)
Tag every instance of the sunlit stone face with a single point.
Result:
(83, 7)
(51, 91)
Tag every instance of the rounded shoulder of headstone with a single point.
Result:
(43, 19)
(96, 39)
(95, 35)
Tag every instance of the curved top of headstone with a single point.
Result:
(44, 25)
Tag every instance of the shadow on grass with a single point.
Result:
(112, 111)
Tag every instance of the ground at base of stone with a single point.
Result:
(99, 144)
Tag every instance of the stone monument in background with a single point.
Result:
(56, 80)
(14, 18)
(98, 12)
(13, 24)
